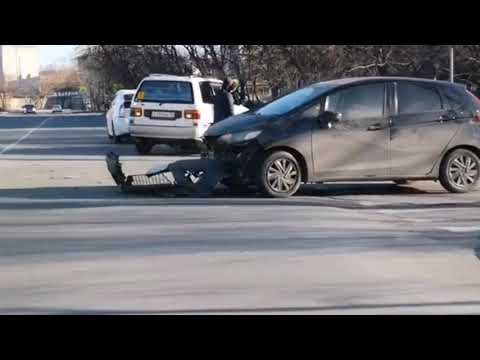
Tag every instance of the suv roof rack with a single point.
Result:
(156, 74)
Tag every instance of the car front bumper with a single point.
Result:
(240, 160)
(196, 176)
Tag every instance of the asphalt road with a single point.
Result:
(70, 242)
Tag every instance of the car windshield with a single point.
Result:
(165, 92)
(293, 101)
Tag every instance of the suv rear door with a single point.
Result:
(208, 90)
(421, 128)
(164, 103)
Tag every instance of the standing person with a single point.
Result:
(223, 101)
(235, 91)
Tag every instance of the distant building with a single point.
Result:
(19, 68)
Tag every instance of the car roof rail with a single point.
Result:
(158, 74)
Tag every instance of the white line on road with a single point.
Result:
(56, 129)
(11, 146)
(460, 229)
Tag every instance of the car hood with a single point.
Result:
(238, 123)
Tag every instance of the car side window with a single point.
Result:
(358, 102)
(453, 100)
(417, 99)
(209, 90)
(312, 112)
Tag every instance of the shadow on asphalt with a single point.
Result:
(334, 195)
(340, 308)
(359, 189)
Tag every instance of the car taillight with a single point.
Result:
(476, 119)
(193, 115)
(136, 112)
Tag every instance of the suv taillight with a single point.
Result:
(136, 112)
(193, 115)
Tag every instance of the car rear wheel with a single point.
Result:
(459, 171)
(144, 146)
(280, 175)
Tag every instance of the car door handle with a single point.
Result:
(375, 127)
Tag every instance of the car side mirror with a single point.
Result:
(329, 118)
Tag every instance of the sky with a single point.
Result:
(56, 54)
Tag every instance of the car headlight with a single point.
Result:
(239, 137)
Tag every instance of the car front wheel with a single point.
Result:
(280, 175)
(459, 171)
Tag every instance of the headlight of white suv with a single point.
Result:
(239, 137)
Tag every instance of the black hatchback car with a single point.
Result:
(354, 129)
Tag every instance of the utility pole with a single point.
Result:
(451, 64)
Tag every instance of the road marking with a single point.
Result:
(11, 146)
(57, 129)
(461, 229)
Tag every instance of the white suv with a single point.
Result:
(169, 109)
(118, 115)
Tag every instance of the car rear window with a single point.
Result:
(165, 92)
(456, 98)
(209, 90)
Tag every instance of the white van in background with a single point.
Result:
(175, 110)
(118, 115)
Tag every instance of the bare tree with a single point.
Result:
(282, 67)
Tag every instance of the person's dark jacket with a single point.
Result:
(223, 105)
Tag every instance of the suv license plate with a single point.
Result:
(163, 115)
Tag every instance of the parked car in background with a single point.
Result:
(118, 115)
(29, 109)
(355, 129)
(176, 110)
(57, 109)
